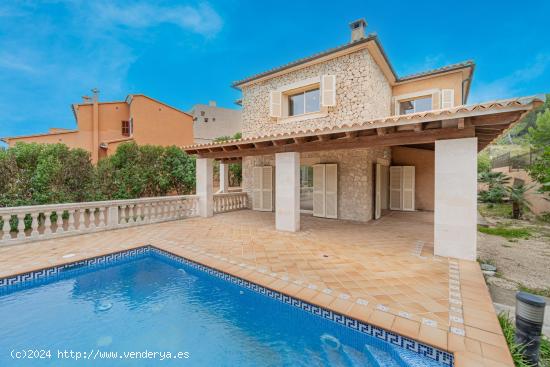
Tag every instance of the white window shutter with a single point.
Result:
(378, 192)
(436, 100)
(447, 98)
(319, 190)
(328, 90)
(267, 188)
(256, 188)
(331, 191)
(408, 188)
(275, 103)
(396, 173)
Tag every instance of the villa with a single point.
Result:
(103, 126)
(353, 241)
(340, 135)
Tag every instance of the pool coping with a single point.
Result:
(356, 322)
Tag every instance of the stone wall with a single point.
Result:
(355, 177)
(362, 93)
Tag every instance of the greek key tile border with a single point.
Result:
(47, 275)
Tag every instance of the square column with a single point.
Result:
(287, 191)
(455, 217)
(224, 177)
(205, 178)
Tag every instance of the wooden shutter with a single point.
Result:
(331, 191)
(396, 173)
(267, 188)
(319, 190)
(275, 103)
(378, 192)
(384, 187)
(256, 188)
(436, 100)
(408, 188)
(328, 90)
(447, 98)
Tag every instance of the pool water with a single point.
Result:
(156, 304)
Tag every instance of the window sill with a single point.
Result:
(305, 116)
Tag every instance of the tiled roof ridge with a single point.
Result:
(369, 37)
(496, 104)
(442, 69)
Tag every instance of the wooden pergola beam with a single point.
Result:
(397, 138)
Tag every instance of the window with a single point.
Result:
(206, 119)
(304, 102)
(202, 113)
(125, 128)
(415, 105)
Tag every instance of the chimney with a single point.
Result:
(95, 92)
(358, 30)
(212, 103)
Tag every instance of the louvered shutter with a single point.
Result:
(328, 90)
(267, 188)
(384, 187)
(436, 100)
(447, 98)
(378, 192)
(408, 188)
(331, 191)
(319, 190)
(256, 188)
(275, 103)
(395, 187)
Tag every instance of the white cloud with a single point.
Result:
(201, 19)
(510, 85)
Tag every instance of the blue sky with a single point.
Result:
(53, 52)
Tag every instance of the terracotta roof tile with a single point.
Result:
(384, 122)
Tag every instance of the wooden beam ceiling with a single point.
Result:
(353, 142)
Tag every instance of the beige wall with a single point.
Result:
(355, 177)
(221, 122)
(362, 93)
(445, 81)
(424, 163)
(539, 204)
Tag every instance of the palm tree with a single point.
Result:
(517, 198)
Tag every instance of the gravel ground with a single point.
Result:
(525, 261)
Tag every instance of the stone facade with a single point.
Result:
(362, 93)
(355, 177)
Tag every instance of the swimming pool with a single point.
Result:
(135, 307)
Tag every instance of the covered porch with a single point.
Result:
(451, 139)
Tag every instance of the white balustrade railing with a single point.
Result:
(230, 201)
(39, 222)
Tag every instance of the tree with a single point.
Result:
(483, 162)
(519, 202)
(496, 182)
(539, 136)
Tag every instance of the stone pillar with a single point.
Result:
(224, 177)
(455, 217)
(205, 177)
(287, 191)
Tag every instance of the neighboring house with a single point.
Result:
(340, 135)
(102, 126)
(211, 122)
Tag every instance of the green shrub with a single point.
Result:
(33, 174)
